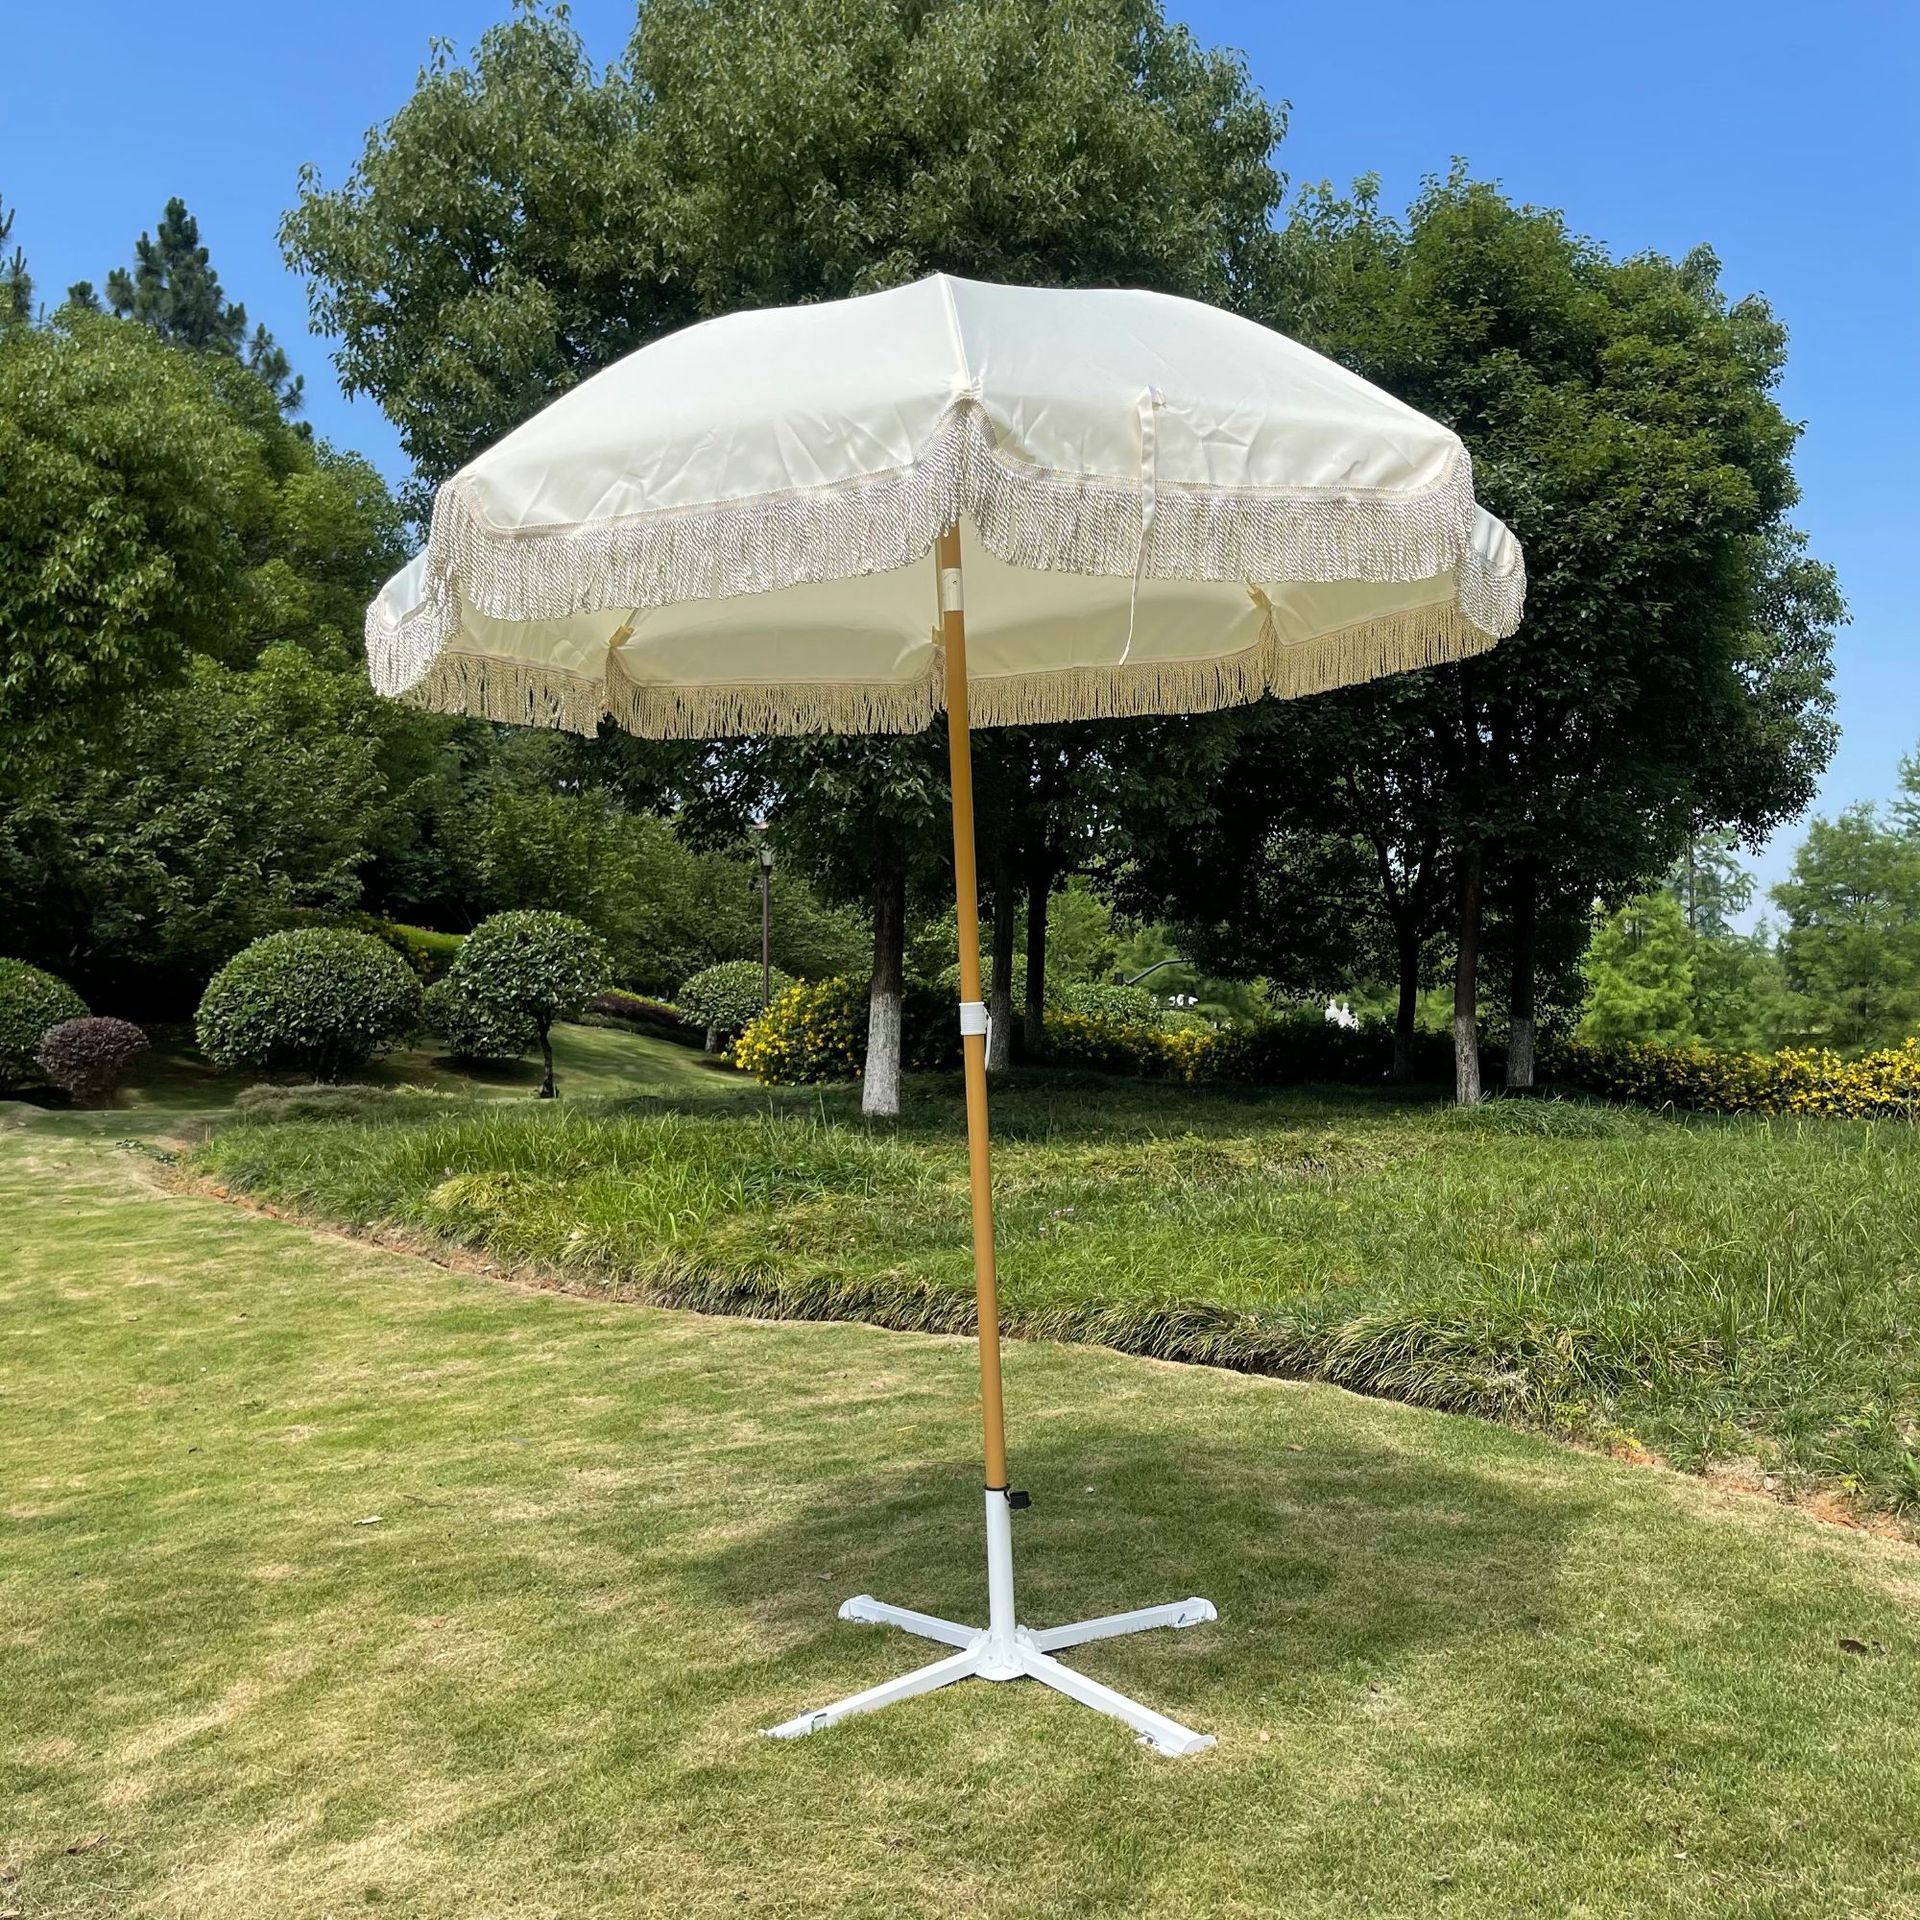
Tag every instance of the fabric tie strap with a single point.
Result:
(1150, 402)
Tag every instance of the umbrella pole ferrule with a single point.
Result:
(1003, 1650)
(1001, 1656)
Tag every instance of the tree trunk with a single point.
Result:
(1407, 956)
(712, 1041)
(1466, 984)
(880, 1087)
(1000, 986)
(546, 1055)
(1520, 998)
(1039, 890)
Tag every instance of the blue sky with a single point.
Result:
(1783, 134)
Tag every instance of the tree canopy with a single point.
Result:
(1851, 944)
(126, 484)
(1672, 670)
(525, 218)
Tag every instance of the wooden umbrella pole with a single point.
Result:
(1006, 1650)
(953, 635)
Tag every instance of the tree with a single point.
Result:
(745, 153)
(193, 754)
(230, 804)
(120, 475)
(154, 507)
(1739, 988)
(1851, 945)
(1905, 811)
(1672, 670)
(1711, 884)
(865, 820)
(173, 289)
(163, 534)
(523, 971)
(16, 283)
(1639, 975)
(723, 998)
(1303, 844)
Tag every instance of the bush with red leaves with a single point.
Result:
(87, 1058)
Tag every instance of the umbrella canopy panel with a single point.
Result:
(1165, 508)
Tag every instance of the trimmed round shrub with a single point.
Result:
(317, 1000)
(89, 1057)
(30, 1003)
(516, 974)
(474, 1028)
(724, 998)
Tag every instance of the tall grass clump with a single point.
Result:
(1711, 1290)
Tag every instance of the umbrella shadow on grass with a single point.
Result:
(1326, 1556)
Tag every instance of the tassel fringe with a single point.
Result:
(1287, 669)
(1026, 516)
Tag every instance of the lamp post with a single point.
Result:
(766, 913)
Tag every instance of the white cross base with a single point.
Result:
(1004, 1651)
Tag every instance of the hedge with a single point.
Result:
(1286, 1050)
(1815, 1082)
(426, 950)
(1105, 1000)
(819, 1032)
(635, 1010)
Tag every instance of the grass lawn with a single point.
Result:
(335, 1582)
(1744, 1294)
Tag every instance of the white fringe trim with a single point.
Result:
(1025, 515)
(1287, 669)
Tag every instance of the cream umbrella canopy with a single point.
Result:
(1154, 506)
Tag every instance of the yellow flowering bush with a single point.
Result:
(812, 1030)
(817, 1030)
(1282, 1051)
(1811, 1081)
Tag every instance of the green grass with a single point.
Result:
(1744, 1293)
(1459, 1672)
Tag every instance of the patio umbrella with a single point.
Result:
(1155, 507)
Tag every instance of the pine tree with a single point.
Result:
(1905, 810)
(1639, 976)
(1711, 884)
(16, 283)
(174, 289)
